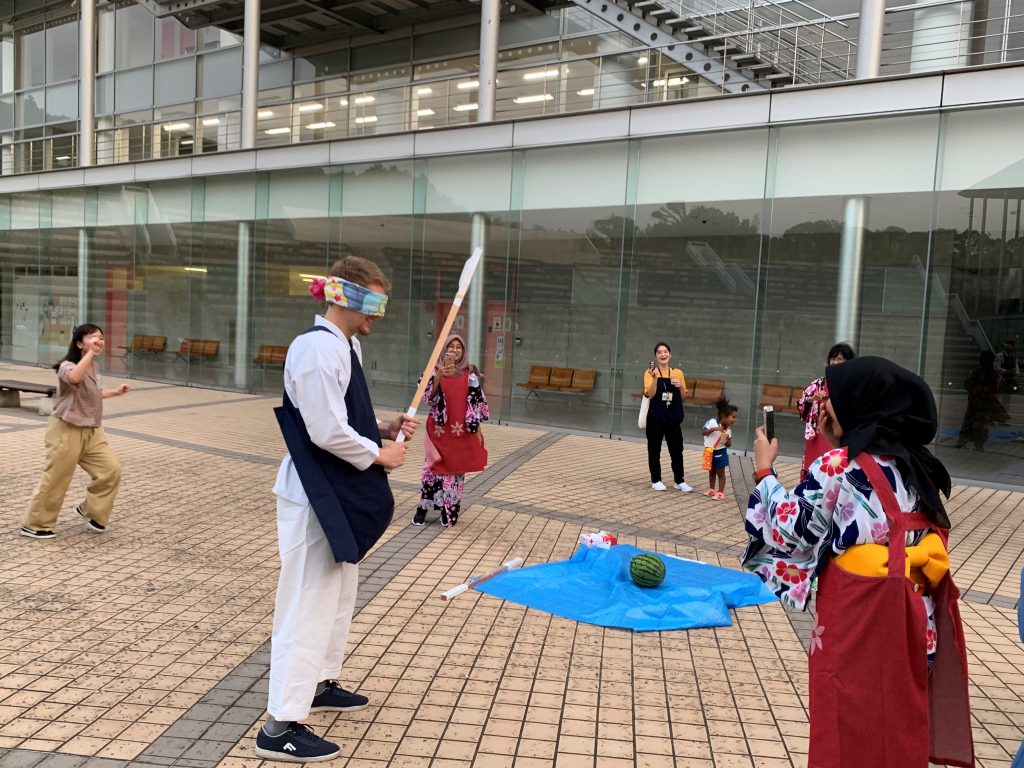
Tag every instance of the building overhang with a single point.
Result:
(291, 24)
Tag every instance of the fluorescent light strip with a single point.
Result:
(468, 85)
(367, 119)
(343, 102)
(585, 92)
(546, 74)
(311, 107)
(671, 82)
(425, 112)
(424, 91)
(211, 121)
(466, 107)
(185, 143)
(265, 113)
(320, 126)
(364, 99)
(171, 127)
(642, 60)
(195, 269)
(277, 131)
(533, 99)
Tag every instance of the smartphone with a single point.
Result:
(769, 422)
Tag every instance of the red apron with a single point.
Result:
(813, 448)
(452, 449)
(873, 702)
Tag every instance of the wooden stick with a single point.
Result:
(468, 270)
(476, 581)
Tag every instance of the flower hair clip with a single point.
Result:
(316, 288)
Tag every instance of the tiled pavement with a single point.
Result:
(147, 645)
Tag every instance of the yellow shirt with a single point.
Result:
(673, 373)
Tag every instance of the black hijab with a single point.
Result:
(887, 410)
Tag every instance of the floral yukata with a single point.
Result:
(794, 535)
(457, 419)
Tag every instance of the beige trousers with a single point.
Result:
(68, 446)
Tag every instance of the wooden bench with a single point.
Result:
(142, 345)
(566, 381)
(10, 391)
(707, 391)
(197, 349)
(781, 397)
(271, 356)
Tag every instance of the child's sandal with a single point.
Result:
(719, 495)
(710, 492)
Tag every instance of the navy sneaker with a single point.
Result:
(93, 525)
(337, 699)
(420, 518)
(296, 745)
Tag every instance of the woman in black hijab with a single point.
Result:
(871, 501)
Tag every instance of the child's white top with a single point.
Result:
(711, 441)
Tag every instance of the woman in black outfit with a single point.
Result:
(665, 385)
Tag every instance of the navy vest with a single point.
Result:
(354, 506)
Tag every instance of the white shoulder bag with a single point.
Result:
(645, 405)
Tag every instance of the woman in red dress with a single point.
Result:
(454, 442)
(807, 407)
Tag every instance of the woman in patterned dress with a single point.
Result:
(454, 442)
(888, 666)
(807, 407)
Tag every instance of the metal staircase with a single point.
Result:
(739, 46)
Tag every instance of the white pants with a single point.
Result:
(315, 600)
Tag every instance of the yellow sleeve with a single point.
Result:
(683, 377)
(647, 380)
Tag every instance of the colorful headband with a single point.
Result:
(340, 291)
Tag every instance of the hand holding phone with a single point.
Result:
(769, 422)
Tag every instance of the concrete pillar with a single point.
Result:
(87, 84)
(83, 275)
(490, 17)
(243, 278)
(476, 319)
(851, 266)
(250, 72)
(869, 41)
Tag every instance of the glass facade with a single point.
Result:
(726, 245)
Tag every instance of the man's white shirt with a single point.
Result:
(317, 372)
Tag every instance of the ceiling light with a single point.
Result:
(343, 102)
(320, 126)
(365, 99)
(211, 121)
(424, 91)
(545, 74)
(642, 60)
(265, 113)
(311, 107)
(468, 85)
(277, 131)
(672, 82)
(185, 143)
(63, 157)
(533, 99)
(195, 269)
(466, 107)
(585, 92)
(177, 127)
(424, 112)
(367, 119)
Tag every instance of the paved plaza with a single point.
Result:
(149, 645)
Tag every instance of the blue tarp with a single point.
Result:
(595, 587)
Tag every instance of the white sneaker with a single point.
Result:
(658, 486)
(684, 487)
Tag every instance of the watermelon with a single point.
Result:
(647, 570)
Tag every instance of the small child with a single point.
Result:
(717, 439)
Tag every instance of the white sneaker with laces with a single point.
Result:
(658, 486)
(684, 487)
